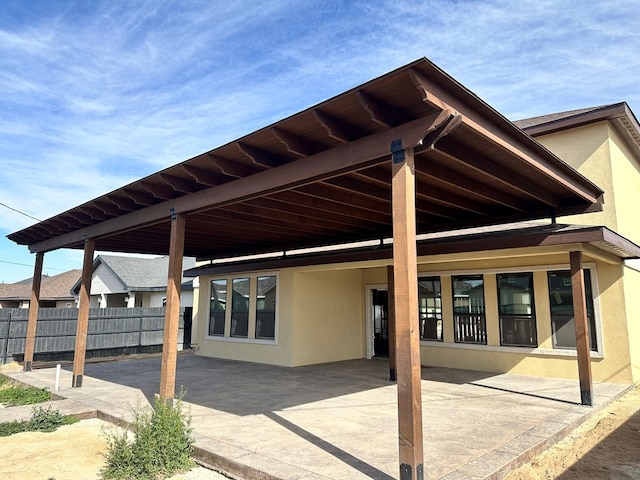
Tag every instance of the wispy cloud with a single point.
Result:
(96, 94)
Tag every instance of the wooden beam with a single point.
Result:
(80, 350)
(436, 96)
(141, 198)
(181, 185)
(296, 144)
(329, 163)
(162, 192)
(231, 168)
(391, 313)
(405, 276)
(337, 129)
(260, 157)
(380, 112)
(582, 328)
(204, 176)
(172, 310)
(34, 306)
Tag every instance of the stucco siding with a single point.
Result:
(587, 149)
(275, 352)
(626, 178)
(328, 319)
(632, 302)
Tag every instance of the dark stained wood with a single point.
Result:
(260, 157)
(526, 154)
(80, 350)
(336, 128)
(181, 185)
(110, 209)
(125, 204)
(330, 163)
(141, 198)
(204, 176)
(34, 305)
(582, 328)
(172, 310)
(482, 168)
(231, 168)
(295, 144)
(470, 187)
(380, 112)
(409, 375)
(161, 192)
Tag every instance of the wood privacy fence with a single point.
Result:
(111, 331)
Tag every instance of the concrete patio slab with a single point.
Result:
(339, 420)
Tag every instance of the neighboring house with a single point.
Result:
(55, 291)
(119, 281)
(494, 298)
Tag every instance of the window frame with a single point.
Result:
(252, 306)
(531, 317)
(439, 329)
(592, 323)
(480, 326)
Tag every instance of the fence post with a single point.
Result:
(6, 340)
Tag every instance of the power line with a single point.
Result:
(25, 265)
(21, 213)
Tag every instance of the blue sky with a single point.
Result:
(96, 94)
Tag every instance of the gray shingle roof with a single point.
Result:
(141, 273)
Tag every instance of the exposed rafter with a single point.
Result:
(295, 144)
(337, 129)
(260, 157)
(380, 112)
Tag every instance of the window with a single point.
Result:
(266, 307)
(430, 308)
(240, 307)
(517, 309)
(469, 320)
(250, 312)
(561, 303)
(218, 307)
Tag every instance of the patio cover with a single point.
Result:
(411, 151)
(323, 176)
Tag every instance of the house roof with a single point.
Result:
(57, 287)
(618, 114)
(139, 274)
(323, 176)
(495, 237)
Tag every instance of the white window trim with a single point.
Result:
(252, 276)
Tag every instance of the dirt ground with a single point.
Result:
(73, 452)
(607, 446)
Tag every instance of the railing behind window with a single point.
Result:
(470, 328)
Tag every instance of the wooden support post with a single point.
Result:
(172, 310)
(391, 313)
(582, 328)
(406, 314)
(80, 351)
(34, 306)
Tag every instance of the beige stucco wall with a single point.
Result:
(588, 149)
(626, 192)
(328, 316)
(632, 303)
(276, 352)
